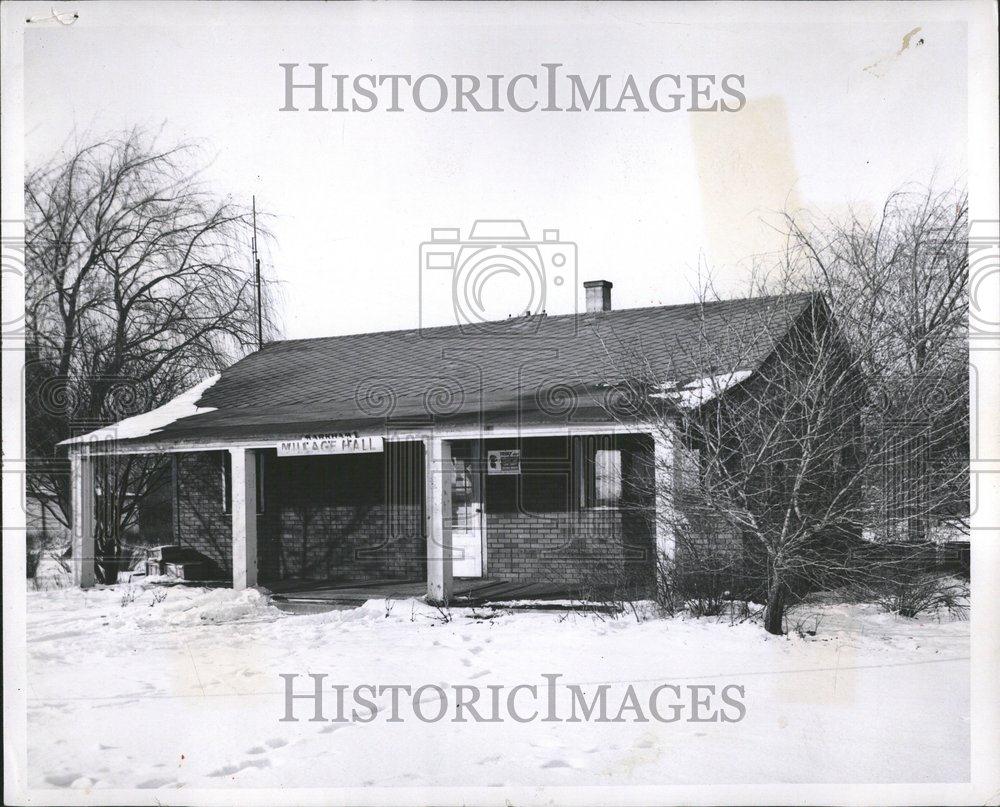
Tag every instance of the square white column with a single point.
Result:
(82, 500)
(664, 487)
(244, 514)
(437, 487)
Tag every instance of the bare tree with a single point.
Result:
(896, 283)
(139, 284)
(795, 429)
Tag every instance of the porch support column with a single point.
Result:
(82, 500)
(664, 483)
(437, 487)
(244, 509)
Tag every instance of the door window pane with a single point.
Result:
(227, 482)
(462, 505)
(259, 460)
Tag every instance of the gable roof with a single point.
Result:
(543, 365)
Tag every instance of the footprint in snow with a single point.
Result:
(257, 749)
(557, 763)
(149, 783)
(333, 727)
(479, 674)
(229, 770)
(62, 779)
(487, 760)
(115, 704)
(276, 742)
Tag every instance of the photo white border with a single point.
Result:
(983, 180)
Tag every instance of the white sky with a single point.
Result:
(644, 196)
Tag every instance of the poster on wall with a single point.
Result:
(505, 461)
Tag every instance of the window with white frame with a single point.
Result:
(607, 477)
(600, 472)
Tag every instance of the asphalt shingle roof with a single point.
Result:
(347, 382)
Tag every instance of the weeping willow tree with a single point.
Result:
(138, 285)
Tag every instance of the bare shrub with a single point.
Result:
(704, 579)
(128, 596)
(802, 625)
(911, 594)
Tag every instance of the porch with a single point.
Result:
(463, 519)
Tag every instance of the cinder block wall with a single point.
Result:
(324, 517)
(200, 520)
(320, 542)
(340, 517)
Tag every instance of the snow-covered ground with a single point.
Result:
(153, 687)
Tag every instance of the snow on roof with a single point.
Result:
(701, 390)
(184, 405)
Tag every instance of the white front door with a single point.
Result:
(466, 511)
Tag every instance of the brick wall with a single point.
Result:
(583, 548)
(558, 547)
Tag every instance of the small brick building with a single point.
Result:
(506, 451)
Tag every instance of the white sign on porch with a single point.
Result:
(329, 444)
(504, 461)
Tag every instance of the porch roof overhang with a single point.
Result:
(265, 430)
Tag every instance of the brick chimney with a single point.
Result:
(598, 295)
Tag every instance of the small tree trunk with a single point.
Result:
(774, 611)
(107, 548)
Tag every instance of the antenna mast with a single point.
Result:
(256, 268)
